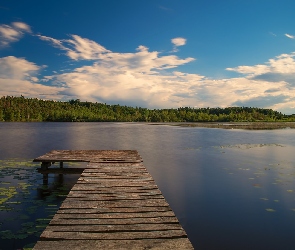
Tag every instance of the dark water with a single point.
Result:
(230, 189)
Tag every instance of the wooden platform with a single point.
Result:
(114, 205)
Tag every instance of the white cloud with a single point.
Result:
(34, 79)
(178, 41)
(22, 26)
(12, 33)
(270, 85)
(8, 34)
(284, 64)
(290, 36)
(84, 48)
(15, 87)
(18, 76)
(55, 42)
(77, 48)
(16, 68)
(251, 70)
(127, 77)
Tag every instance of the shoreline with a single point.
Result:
(222, 125)
(234, 125)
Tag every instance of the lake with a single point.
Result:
(230, 189)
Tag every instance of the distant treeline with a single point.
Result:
(21, 109)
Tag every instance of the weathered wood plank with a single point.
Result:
(143, 180)
(119, 215)
(117, 175)
(47, 234)
(114, 228)
(117, 170)
(88, 184)
(117, 221)
(70, 203)
(114, 210)
(153, 244)
(75, 195)
(93, 187)
(90, 155)
(112, 197)
(74, 203)
(117, 191)
(115, 167)
(96, 167)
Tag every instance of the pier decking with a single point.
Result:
(115, 204)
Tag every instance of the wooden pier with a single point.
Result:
(115, 204)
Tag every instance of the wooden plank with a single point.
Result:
(115, 175)
(108, 221)
(97, 216)
(143, 180)
(74, 203)
(90, 155)
(116, 191)
(47, 234)
(94, 228)
(154, 244)
(112, 166)
(87, 184)
(113, 198)
(97, 187)
(95, 210)
(111, 181)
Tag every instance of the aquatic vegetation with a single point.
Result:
(6, 194)
(249, 145)
(265, 199)
(270, 210)
(26, 205)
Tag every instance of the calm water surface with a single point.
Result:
(230, 189)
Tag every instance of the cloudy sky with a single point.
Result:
(150, 53)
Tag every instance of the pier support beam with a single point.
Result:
(45, 165)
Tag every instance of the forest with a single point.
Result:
(21, 109)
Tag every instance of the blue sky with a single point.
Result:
(151, 53)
